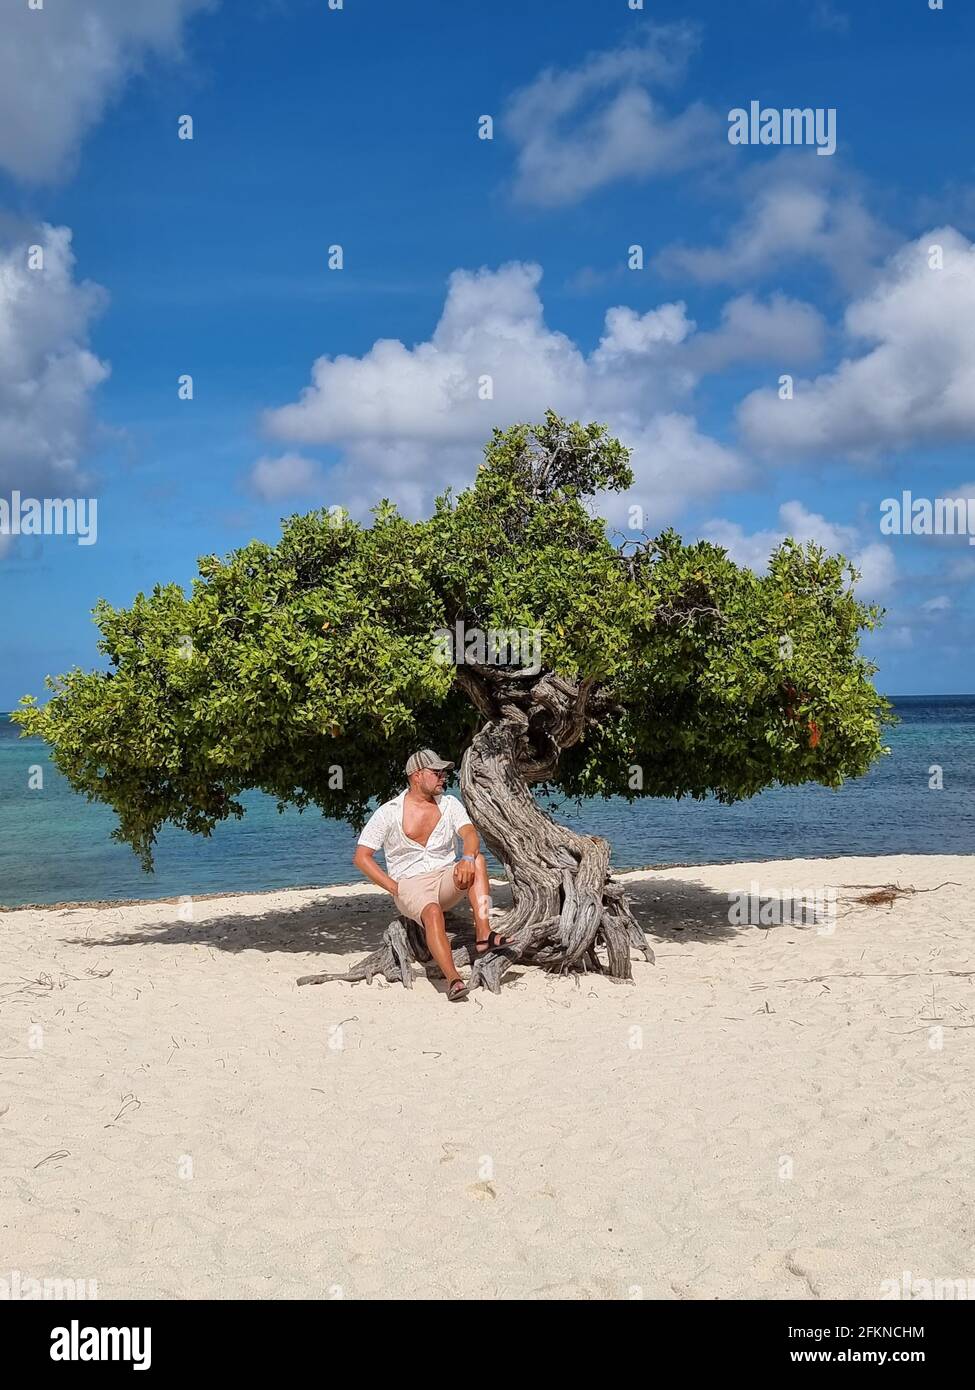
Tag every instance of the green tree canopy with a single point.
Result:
(690, 674)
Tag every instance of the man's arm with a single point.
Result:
(464, 872)
(364, 860)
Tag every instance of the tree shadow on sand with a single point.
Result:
(668, 910)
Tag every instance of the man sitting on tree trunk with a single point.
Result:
(416, 833)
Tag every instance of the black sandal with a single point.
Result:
(495, 942)
(456, 990)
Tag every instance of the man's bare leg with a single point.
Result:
(479, 897)
(435, 930)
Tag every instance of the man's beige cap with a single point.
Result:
(426, 757)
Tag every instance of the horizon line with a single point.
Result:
(938, 695)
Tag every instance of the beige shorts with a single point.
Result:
(421, 890)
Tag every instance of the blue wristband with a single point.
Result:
(471, 857)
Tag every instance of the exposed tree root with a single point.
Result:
(402, 946)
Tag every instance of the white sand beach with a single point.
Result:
(764, 1113)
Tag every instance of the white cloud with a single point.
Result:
(874, 560)
(629, 332)
(288, 475)
(651, 348)
(784, 330)
(913, 382)
(940, 604)
(491, 325)
(796, 212)
(581, 128)
(61, 65)
(47, 372)
(673, 464)
(410, 420)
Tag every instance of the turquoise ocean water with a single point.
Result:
(55, 846)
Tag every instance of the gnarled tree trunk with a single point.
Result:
(564, 902)
(565, 907)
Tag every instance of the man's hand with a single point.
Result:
(463, 873)
(394, 891)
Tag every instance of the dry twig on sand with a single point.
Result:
(888, 893)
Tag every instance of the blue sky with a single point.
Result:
(503, 257)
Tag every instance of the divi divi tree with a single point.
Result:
(312, 668)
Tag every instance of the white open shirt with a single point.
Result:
(405, 858)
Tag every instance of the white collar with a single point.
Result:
(398, 800)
